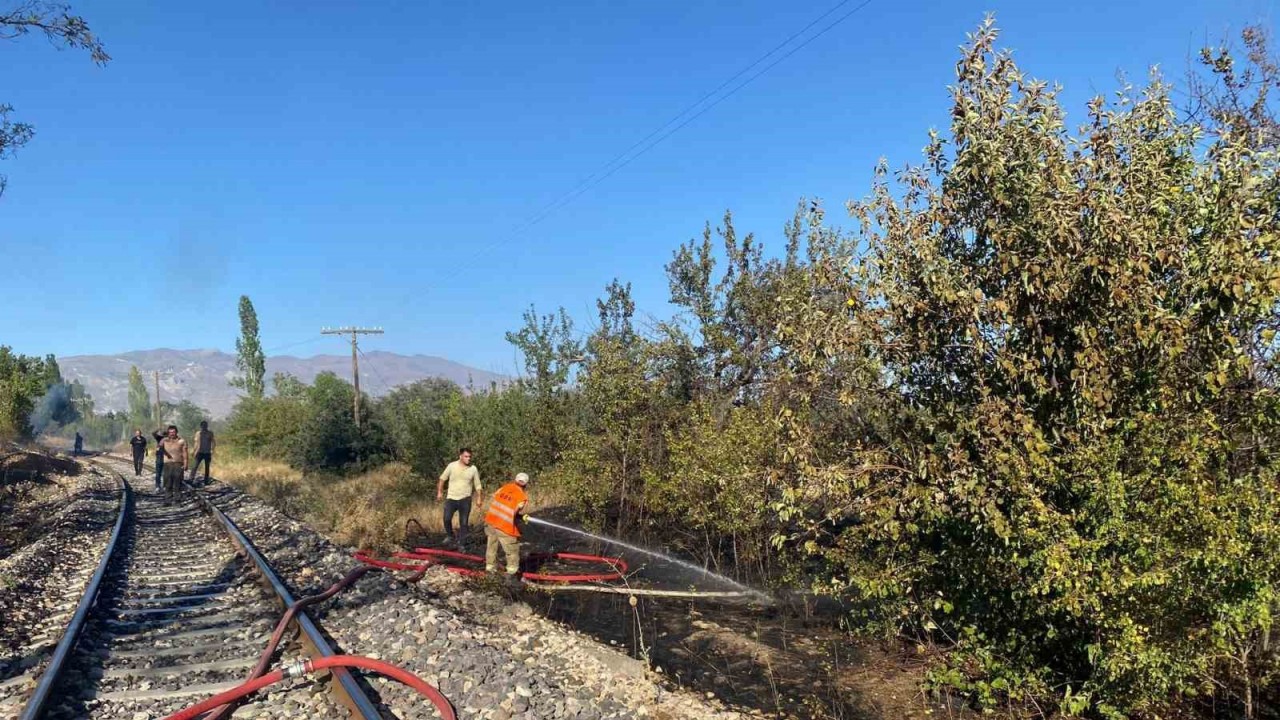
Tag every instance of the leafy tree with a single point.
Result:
(81, 400)
(415, 418)
(287, 386)
(1080, 495)
(24, 381)
(140, 410)
(250, 360)
(329, 438)
(617, 442)
(186, 415)
(728, 321)
(550, 351)
(266, 428)
(62, 29)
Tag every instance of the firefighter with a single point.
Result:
(502, 526)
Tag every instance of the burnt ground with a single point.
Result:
(32, 489)
(789, 660)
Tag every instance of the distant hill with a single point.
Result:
(202, 376)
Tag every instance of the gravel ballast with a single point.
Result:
(42, 582)
(492, 656)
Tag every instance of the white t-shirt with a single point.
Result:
(460, 480)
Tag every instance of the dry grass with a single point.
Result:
(367, 510)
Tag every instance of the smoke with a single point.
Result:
(54, 408)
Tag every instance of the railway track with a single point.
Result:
(184, 605)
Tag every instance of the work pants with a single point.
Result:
(206, 458)
(463, 509)
(137, 463)
(510, 545)
(172, 480)
(159, 472)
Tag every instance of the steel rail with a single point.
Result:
(49, 678)
(346, 690)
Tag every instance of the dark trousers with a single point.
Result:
(173, 480)
(137, 463)
(463, 508)
(159, 470)
(206, 458)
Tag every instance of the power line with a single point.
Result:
(355, 333)
(614, 165)
(374, 368)
(292, 345)
(568, 196)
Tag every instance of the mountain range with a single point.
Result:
(203, 376)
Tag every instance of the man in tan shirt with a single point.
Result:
(463, 480)
(174, 450)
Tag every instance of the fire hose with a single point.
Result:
(457, 562)
(301, 668)
(225, 703)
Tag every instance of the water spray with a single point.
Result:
(738, 588)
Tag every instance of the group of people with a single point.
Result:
(172, 456)
(459, 486)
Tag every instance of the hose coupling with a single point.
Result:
(297, 668)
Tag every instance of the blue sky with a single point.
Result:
(367, 163)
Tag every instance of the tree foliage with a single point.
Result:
(24, 381)
(1025, 411)
(1080, 329)
(250, 360)
(62, 29)
(141, 414)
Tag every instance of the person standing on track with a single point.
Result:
(204, 443)
(463, 480)
(139, 444)
(159, 436)
(79, 444)
(502, 526)
(175, 463)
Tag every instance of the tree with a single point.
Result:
(140, 411)
(249, 358)
(187, 416)
(1078, 497)
(415, 416)
(24, 384)
(617, 442)
(328, 438)
(62, 29)
(550, 352)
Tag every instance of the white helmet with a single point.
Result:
(522, 479)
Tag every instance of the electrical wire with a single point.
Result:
(568, 196)
(590, 183)
(286, 346)
(386, 385)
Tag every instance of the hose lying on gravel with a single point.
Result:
(299, 669)
(226, 702)
(264, 660)
(426, 557)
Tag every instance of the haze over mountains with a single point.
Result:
(203, 376)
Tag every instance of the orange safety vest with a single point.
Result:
(503, 507)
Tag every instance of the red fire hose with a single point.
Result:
(457, 562)
(310, 666)
(225, 703)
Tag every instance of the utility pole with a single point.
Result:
(157, 376)
(355, 333)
